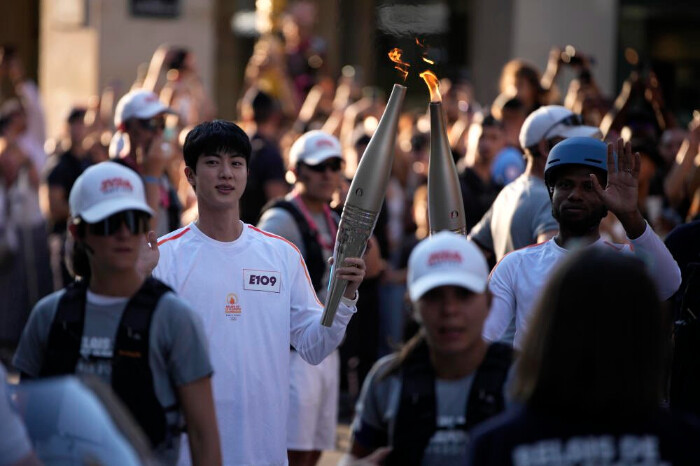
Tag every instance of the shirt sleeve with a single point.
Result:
(183, 342)
(14, 442)
(660, 263)
(503, 302)
(369, 429)
(543, 221)
(312, 340)
(281, 222)
(481, 233)
(29, 357)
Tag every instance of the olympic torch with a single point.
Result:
(365, 197)
(445, 205)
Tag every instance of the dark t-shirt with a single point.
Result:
(521, 437)
(61, 171)
(265, 165)
(476, 195)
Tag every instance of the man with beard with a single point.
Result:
(576, 171)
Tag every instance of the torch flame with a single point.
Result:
(432, 81)
(427, 60)
(401, 66)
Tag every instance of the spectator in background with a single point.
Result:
(521, 79)
(141, 116)
(521, 214)
(305, 218)
(266, 173)
(591, 393)
(57, 180)
(24, 117)
(25, 273)
(486, 141)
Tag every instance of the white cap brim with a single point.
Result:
(151, 110)
(574, 131)
(104, 209)
(426, 283)
(320, 157)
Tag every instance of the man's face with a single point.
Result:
(219, 181)
(142, 131)
(453, 318)
(575, 204)
(491, 142)
(319, 182)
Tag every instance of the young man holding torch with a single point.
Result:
(254, 294)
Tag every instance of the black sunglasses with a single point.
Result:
(572, 120)
(136, 222)
(333, 164)
(152, 124)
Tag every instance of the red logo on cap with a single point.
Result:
(115, 184)
(150, 98)
(324, 143)
(441, 257)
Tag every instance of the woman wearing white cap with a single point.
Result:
(422, 400)
(131, 331)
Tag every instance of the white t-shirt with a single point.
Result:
(516, 280)
(255, 299)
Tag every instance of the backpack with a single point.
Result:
(415, 421)
(132, 379)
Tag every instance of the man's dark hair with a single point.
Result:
(597, 345)
(489, 121)
(177, 60)
(213, 137)
(264, 106)
(76, 115)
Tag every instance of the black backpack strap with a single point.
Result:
(132, 379)
(313, 251)
(486, 394)
(415, 421)
(63, 345)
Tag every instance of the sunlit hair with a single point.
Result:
(521, 69)
(595, 345)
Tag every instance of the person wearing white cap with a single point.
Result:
(140, 116)
(521, 214)
(305, 218)
(422, 400)
(132, 332)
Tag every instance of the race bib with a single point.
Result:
(261, 280)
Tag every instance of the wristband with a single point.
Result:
(151, 179)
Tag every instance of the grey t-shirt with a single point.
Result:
(379, 402)
(280, 222)
(178, 351)
(521, 212)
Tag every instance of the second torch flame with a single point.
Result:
(432, 81)
(401, 66)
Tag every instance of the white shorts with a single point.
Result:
(313, 403)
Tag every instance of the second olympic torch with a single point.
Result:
(365, 197)
(445, 205)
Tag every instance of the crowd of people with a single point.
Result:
(184, 260)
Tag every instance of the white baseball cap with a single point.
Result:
(105, 189)
(313, 148)
(140, 104)
(553, 121)
(446, 258)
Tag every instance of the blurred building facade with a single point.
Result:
(77, 47)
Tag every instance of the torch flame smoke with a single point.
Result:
(432, 81)
(401, 66)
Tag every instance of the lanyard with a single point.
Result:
(332, 228)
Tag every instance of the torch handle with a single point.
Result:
(355, 228)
